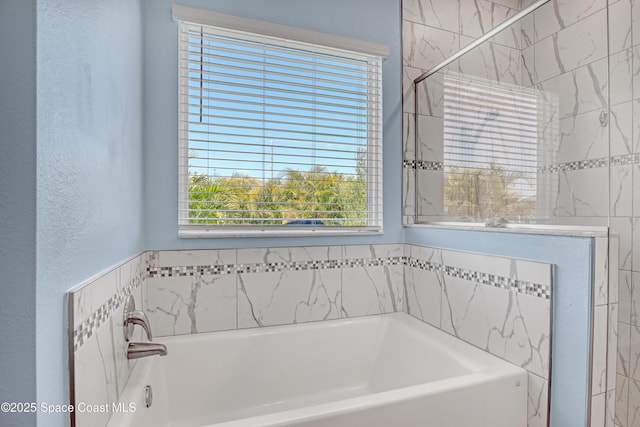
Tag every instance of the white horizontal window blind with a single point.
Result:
(490, 149)
(276, 133)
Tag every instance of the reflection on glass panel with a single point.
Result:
(490, 133)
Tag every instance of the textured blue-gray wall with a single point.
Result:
(18, 207)
(89, 151)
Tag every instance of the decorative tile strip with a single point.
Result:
(270, 267)
(622, 159)
(423, 164)
(190, 270)
(528, 288)
(573, 166)
(318, 265)
(625, 159)
(87, 328)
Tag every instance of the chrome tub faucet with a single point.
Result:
(132, 317)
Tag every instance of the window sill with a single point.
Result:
(213, 233)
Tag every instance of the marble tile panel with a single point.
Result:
(634, 352)
(478, 17)
(527, 31)
(527, 67)
(635, 298)
(623, 227)
(598, 410)
(122, 366)
(431, 96)
(624, 350)
(373, 251)
(408, 137)
(428, 47)
(635, 22)
(612, 346)
(601, 271)
(442, 14)
(430, 196)
(264, 255)
(189, 305)
(430, 138)
(548, 118)
(636, 253)
(560, 14)
(574, 46)
(624, 296)
(579, 91)
(372, 290)
(582, 137)
(94, 294)
(581, 193)
(636, 69)
(423, 288)
(633, 411)
(619, 26)
(621, 76)
(621, 123)
(408, 99)
(621, 197)
(636, 186)
(622, 401)
(507, 324)
(537, 401)
(610, 408)
(512, 4)
(286, 297)
(599, 351)
(614, 250)
(408, 193)
(494, 62)
(95, 377)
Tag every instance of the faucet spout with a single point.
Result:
(136, 350)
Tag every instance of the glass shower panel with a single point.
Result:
(500, 139)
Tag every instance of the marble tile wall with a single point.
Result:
(213, 290)
(597, 120)
(432, 31)
(583, 59)
(500, 305)
(624, 58)
(97, 346)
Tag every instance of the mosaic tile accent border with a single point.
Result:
(89, 326)
(603, 162)
(271, 267)
(528, 288)
(623, 159)
(422, 164)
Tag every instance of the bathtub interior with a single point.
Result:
(221, 377)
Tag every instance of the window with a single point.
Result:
(276, 135)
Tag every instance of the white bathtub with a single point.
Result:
(390, 370)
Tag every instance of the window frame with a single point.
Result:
(374, 209)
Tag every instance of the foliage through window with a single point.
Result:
(275, 133)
